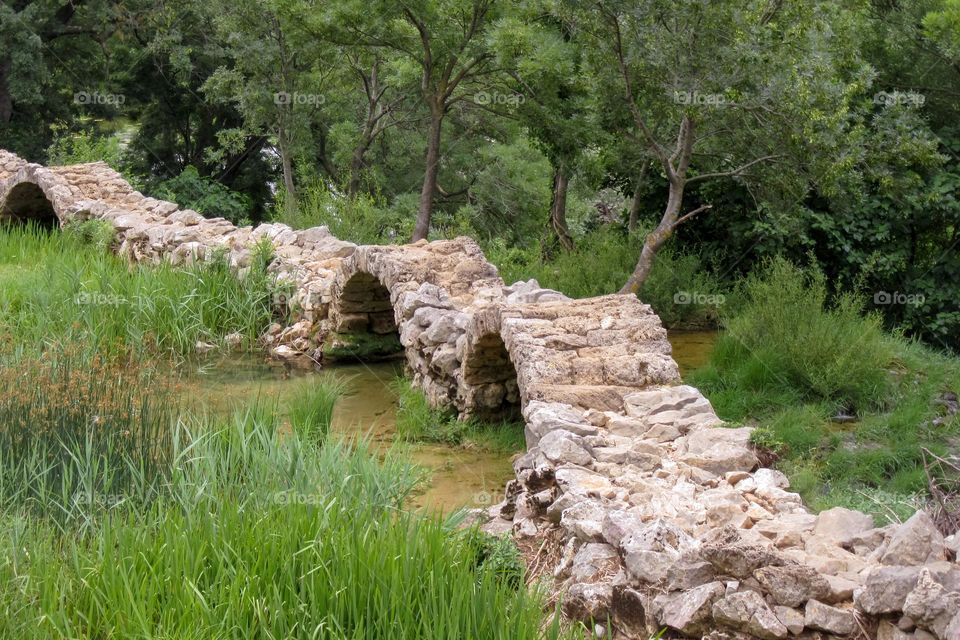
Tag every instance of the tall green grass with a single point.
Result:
(63, 286)
(310, 409)
(241, 531)
(789, 341)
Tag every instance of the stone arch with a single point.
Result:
(363, 324)
(26, 202)
(364, 306)
(489, 384)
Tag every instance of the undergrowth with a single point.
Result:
(679, 289)
(845, 407)
(65, 285)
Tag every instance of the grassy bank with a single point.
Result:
(845, 408)
(68, 286)
(122, 517)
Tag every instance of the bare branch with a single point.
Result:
(733, 172)
(687, 216)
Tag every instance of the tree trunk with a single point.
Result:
(288, 183)
(422, 229)
(370, 130)
(6, 102)
(356, 166)
(656, 239)
(558, 207)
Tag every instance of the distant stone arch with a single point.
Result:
(364, 306)
(363, 323)
(26, 202)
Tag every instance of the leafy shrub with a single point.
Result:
(85, 146)
(207, 196)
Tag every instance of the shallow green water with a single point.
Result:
(691, 349)
(459, 477)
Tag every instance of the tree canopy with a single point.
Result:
(822, 131)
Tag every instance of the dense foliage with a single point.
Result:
(817, 131)
(844, 408)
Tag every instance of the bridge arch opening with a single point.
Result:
(364, 323)
(490, 380)
(27, 203)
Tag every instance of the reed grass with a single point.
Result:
(65, 285)
(417, 421)
(227, 528)
(310, 408)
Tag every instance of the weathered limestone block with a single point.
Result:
(689, 612)
(649, 552)
(746, 611)
(823, 617)
(792, 585)
(916, 541)
(719, 450)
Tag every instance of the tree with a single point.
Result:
(735, 86)
(51, 52)
(441, 44)
(275, 78)
(544, 78)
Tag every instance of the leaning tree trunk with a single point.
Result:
(656, 239)
(422, 229)
(356, 170)
(558, 208)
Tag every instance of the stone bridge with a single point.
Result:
(657, 517)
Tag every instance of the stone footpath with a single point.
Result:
(665, 518)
